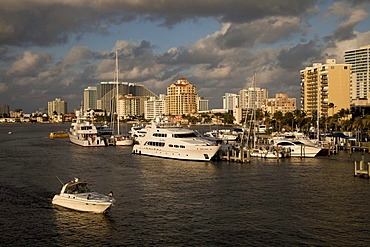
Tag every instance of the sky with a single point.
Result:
(56, 48)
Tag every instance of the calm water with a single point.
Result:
(164, 202)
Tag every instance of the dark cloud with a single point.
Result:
(50, 22)
(301, 55)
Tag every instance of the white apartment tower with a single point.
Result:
(154, 107)
(90, 98)
(230, 101)
(58, 105)
(252, 98)
(360, 68)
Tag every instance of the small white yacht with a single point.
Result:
(79, 196)
(84, 133)
(175, 143)
(123, 140)
(297, 148)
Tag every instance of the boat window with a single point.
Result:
(284, 144)
(185, 135)
(182, 146)
(159, 135)
(78, 188)
(170, 145)
(157, 144)
(176, 146)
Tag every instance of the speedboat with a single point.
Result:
(79, 196)
(174, 142)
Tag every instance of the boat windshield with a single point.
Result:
(185, 135)
(77, 188)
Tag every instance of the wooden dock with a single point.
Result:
(362, 169)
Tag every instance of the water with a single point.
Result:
(162, 202)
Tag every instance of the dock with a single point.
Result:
(361, 169)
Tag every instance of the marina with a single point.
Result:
(286, 202)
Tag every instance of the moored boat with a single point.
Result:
(84, 133)
(297, 148)
(173, 142)
(58, 134)
(77, 195)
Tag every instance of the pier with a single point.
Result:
(362, 169)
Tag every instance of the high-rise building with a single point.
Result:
(4, 111)
(181, 98)
(360, 68)
(202, 104)
(57, 106)
(130, 106)
(281, 103)
(106, 93)
(252, 98)
(230, 101)
(154, 107)
(90, 98)
(325, 88)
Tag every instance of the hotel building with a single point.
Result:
(323, 85)
(181, 98)
(360, 78)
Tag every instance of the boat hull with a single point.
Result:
(95, 141)
(80, 204)
(54, 135)
(202, 153)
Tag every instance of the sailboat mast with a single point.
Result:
(117, 92)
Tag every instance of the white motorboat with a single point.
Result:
(297, 148)
(225, 135)
(175, 143)
(79, 196)
(271, 153)
(123, 140)
(84, 133)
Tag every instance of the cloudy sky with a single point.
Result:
(56, 48)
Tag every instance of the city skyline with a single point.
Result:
(55, 49)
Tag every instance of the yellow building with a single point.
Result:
(281, 103)
(181, 98)
(325, 88)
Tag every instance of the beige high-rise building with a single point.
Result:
(181, 98)
(281, 103)
(325, 85)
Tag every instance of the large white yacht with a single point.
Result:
(84, 133)
(174, 142)
(79, 196)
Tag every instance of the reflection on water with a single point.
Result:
(80, 227)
